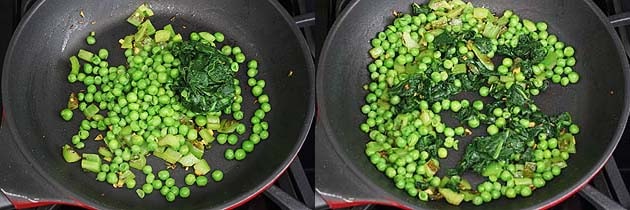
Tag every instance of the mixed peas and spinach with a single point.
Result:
(172, 100)
(442, 49)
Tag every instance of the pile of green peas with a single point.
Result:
(132, 106)
(394, 136)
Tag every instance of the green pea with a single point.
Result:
(394, 100)
(222, 138)
(261, 83)
(252, 72)
(448, 64)
(526, 192)
(569, 51)
(201, 181)
(257, 91)
(184, 192)
(486, 196)
(503, 70)
(163, 175)
(538, 182)
(442, 152)
(259, 113)
(455, 106)
(571, 61)
(500, 122)
(492, 130)
(429, 37)
(149, 178)
(170, 196)
(217, 175)
(219, 37)
(542, 145)
(226, 50)
(460, 131)
(552, 143)
(168, 182)
(478, 105)
(240, 129)
(165, 190)
(449, 132)
(255, 120)
(190, 179)
(168, 58)
(232, 139)
(477, 200)
(238, 115)
(147, 188)
(484, 91)
(264, 134)
(547, 175)
(465, 103)
(194, 36)
(574, 129)
(555, 170)
(248, 146)
(90, 40)
(496, 194)
(390, 172)
(66, 114)
(255, 138)
(101, 176)
(201, 120)
(573, 77)
(103, 54)
(510, 193)
(239, 57)
(72, 78)
(240, 154)
(564, 81)
(462, 50)
(473, 123)
(157, 184)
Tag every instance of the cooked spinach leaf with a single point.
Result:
(527, 49)
(206, 80)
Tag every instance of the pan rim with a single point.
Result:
(9, 126)
(564, 194)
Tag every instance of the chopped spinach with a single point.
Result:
(484, 44)
(206, 81)
(430, 144)
(501, 146)
(527, 49)
(446, 40)
(417, 9)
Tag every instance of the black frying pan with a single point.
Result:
(34, 89)
(598, 103)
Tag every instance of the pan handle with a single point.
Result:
(338, 186)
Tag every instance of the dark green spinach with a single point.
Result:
(527, 49)
(206, 80)
(417, 9)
